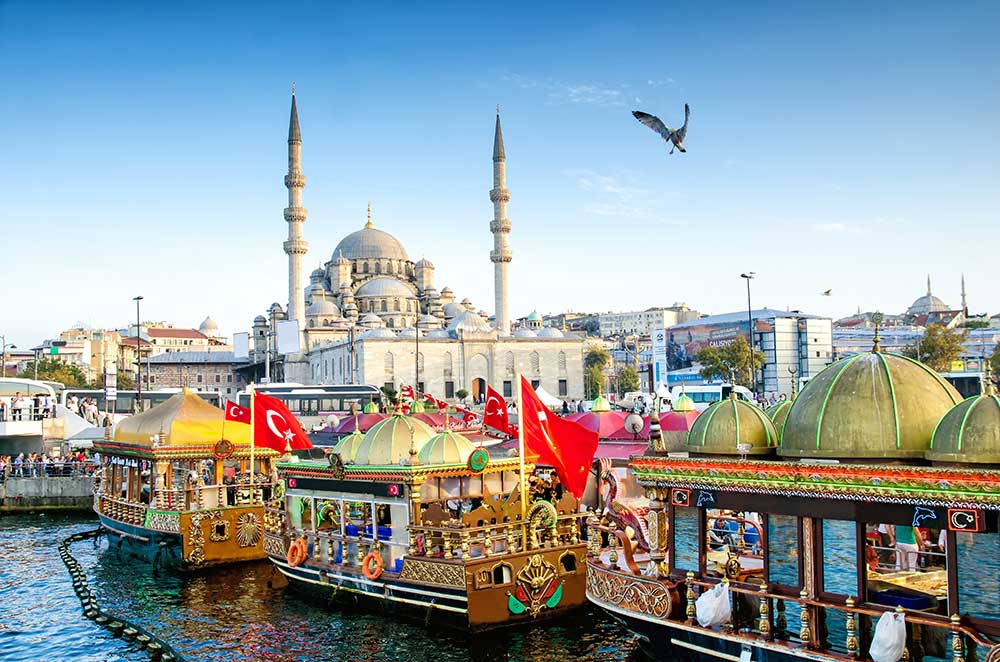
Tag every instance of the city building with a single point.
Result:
(796, 346)
(200, 370)
(360, 313)
(644, 322)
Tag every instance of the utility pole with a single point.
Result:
(753, 364)
(138, 355)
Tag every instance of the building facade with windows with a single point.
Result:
(644, 322)
(204, 371)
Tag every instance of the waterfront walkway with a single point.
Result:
(47, 486)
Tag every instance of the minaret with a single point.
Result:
(295, 247)
(965, 305)
(500, 227)
(928, 285)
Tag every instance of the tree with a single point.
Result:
(461, 394)
(54, 370)
(126, 382)
(938, 348)
(594, 363)
(730, 361)
(628, 380)
(975, 324)
(592, 327)
(995, 361)
(390, 395)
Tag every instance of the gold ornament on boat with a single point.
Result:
(248, 529)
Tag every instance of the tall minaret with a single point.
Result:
(965, 304)
(296, 247)
(500, 227)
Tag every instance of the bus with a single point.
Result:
(27, 387)
(966, 383)
(313, 404)
(125, 404)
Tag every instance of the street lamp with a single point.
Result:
(3, 354)
(753, 367)
(138, 355)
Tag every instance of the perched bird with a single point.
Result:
(673, 136)
(827, 293)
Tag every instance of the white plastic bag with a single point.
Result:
(889, 638)
(713, 607)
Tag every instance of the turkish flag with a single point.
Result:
(406, 392)
(234, 412)
(495, 414)
(566, 446)
(275, 426)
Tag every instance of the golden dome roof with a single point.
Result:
(871, 405)
(446, 448)
(600, 404)
(389, 441)
(969, 432)
(778, 412)
(728, 423)
(347, 447)
(683, 403)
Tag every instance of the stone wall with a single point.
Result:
(46, 493)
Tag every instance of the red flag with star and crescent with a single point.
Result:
(274, 425)
(495, 413)
(567, 447)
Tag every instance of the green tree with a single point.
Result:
(628, 380)
(461, 394)
(995, 361)
(595, 361)
(730, 361)
(54, 370)
(975, 324)
(390, 394)
(938, 348)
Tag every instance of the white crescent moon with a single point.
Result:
(270, 422)
(234, 411)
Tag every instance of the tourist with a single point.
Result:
(579, 407)
(17, 406)
(454, 506)
(565, 408)
(19, 465)
(73, 404)
(908, 547)
(4, 407)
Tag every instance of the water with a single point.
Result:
(232, 614)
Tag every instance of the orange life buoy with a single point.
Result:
(373, 558)
(298, 552)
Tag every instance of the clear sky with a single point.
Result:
(845, 146)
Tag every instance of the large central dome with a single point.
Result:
(370, 243)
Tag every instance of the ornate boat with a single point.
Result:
(429, 526)
(176, 486)
(877, 448)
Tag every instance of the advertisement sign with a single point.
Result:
(684, 343)
(659, 357)
(110, 383)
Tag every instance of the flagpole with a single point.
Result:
(520, 453)
(253, 433)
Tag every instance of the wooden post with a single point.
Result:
(851, 625)
(691, 596)
(805, 632)
(957, 648)
(765, 615)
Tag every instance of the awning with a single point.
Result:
(619, 451)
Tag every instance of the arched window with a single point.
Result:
(391, 323)
(508, 363)
(365, 268)
(385, 306)
(561, 359)
(390, 268)
(535, 363)
(396, 305)
(420, 361)
(340, 366)
(312, 323)
(568, 562)
(389, 367)
(502, 574)
(446, 364)
(378, 267)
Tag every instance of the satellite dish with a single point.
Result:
(634, 424)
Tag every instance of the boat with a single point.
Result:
(428, 526)
(774, 544)
(176, 486)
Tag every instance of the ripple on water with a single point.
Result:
(232, 614)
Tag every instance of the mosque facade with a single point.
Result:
(360, 312)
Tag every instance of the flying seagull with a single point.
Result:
(673, 136)
(827, 293)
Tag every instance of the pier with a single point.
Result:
(63, 486)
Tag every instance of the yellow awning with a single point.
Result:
(182, 420)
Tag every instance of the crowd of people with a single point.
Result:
(35, 465)
(20, 407)
(907, 547)
(87, 408)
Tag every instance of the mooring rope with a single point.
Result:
(159, 650)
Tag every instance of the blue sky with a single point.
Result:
(845, 147)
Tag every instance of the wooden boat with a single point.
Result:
(176, 486)
(429, 526)
(876, 439)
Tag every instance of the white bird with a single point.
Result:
(827, 293)
(673, 136)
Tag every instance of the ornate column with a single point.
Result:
(656, 522)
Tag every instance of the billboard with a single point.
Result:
(684, 343)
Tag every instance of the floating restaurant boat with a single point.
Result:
(762, 549)
(177, 488)
(426, 524)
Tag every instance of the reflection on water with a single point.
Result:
(232, 614)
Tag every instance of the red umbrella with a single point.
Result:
(607, 424)
(365, 421)
(678, 421)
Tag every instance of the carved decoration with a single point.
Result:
(219, 530)
(248, 529)
(274, 546)
(196, 536)
(535, 587)
(429, 572)
(166, 522)
(632, 593)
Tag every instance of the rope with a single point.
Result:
(159, 650)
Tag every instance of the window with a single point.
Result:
(449, 389)
(978, 589)
(502, 574)
(218, 378)
(199, 379)
(561, 360)
(229, 379)
(568, 562)
(508, 388)
(840, 557)
(563, 388)
(783, 550)
(685, 544)
(535, 362)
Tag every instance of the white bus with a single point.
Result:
(704, 395)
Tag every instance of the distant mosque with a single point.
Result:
(361, 311)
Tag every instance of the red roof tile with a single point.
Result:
(175, 333)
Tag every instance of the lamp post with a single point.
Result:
(753, 367)
(138, 355)
(3, 354)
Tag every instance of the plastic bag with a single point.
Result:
(713, 607)
(889, 638)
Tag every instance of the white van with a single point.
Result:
(705, 394)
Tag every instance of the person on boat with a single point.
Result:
(454, 506)
(908, 547)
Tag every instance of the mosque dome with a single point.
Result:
(683, 403)
(379, 333)
(446, 291)
(467, 304)
(468, 321)
(323, 307)
(720, 429)
(260, 319)
(424, 263)
(428, 322)
(389, 441)
(534, 316)
(371, 321)
(524, 333)
(446, 448)
(453, 310)
(778, 412)
(550, 332)
(384, 286)
(969, 432)
(209, 327)
(600, 404)
(927, 303)
(370, 243)
(437, 334)
(317, 274)
(316, 291)
(408, 332)
(871, 405)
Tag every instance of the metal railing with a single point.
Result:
(10, 414)
(72, 469)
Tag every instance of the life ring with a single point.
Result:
(374, 558)
(298, 552)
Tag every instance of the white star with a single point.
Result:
(289, 435)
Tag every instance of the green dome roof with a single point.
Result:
(534, 316)
(778, 413)
(417, 407)
(683, 403)
(389, 441)
(446, 448)
(969, 432)
(871, 405)
(371, 408)
(727, 423)
(600, 404)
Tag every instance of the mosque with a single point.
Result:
(360, 314)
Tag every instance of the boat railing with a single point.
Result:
(122, 510)
(468, 542)
(761, 613)
(911, 560)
